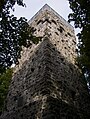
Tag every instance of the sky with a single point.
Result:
(33, 6)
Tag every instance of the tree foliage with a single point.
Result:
(13, 34)
(81, 17)
(4, 84)
(7, 4)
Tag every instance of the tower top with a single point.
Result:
(46, 8)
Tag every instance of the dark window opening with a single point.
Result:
(66, 40)
(32, 69)
(58, 52)
(66, 35)
(39, 22)
(56, 33)
(64, 63)
(33, 29)
(48, 45)
(65, 82)
(32, 59)
(76, 50)
(69, 34)
(50, 34)
(47, 20)
(9, 94)
(54, 22)
(74, 42)
(21, 115)
(60, 30)
(62, 59)
(53, 49)
(71, 68)
(62, 40)
(15, 98)
(39, 67)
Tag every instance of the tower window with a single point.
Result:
(74, 42)
(62, 59)
(53, 49)
(39, 22)
(39, 67)
(56, 33)
(32, 69)
(66, 35)
(54, 22)
(69, 34)
(61, 29)
(33, 29)
(62, 40)
(47, 20)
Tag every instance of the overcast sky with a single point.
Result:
(33, 6)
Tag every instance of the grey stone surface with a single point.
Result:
(47, 84)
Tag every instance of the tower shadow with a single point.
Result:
(47, 86)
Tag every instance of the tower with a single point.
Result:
(47, 84)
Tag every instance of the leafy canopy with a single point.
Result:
(5, 80)
(13, 34)
(81, 17)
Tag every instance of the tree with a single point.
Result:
(5, 80)
(6, 4)
(13, 34)
(81, 17)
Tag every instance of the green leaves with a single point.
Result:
(10, 39)
(81, 17)
(13, 34)
(80, 9)
(5, 79)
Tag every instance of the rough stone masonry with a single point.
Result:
(47, 83)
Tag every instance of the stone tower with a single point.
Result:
(47, 84)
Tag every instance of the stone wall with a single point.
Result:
(60, 33)
(48, 8)
(47, 87)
